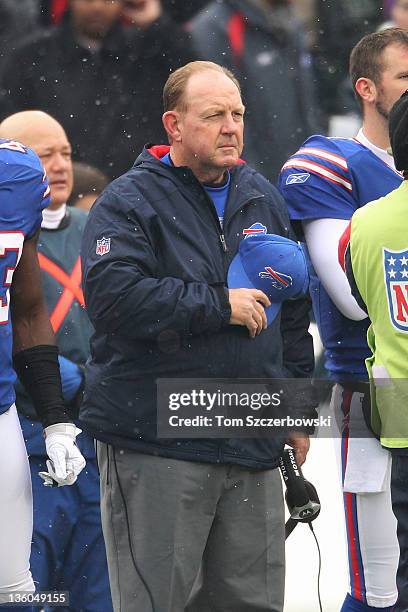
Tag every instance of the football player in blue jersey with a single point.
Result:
(27, 346)
(323, 183)
(68, 551)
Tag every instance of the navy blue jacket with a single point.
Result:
(158, 302)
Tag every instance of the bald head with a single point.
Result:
(48, 139)
(29, 127)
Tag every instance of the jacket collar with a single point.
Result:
(241, 174)
(159, 151)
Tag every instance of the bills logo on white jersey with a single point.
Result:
(296, 179)
(396, 282)
(103, 246)
(256, 228)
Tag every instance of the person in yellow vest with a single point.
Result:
(374, 254)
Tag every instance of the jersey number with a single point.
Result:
(11, 247)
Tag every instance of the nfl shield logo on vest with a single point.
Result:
(396, 282)
(103, 246)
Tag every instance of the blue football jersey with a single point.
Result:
(329, 178)
(24, 192)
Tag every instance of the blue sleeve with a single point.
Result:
(316, 182)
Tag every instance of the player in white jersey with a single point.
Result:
(323, 183)
(27, 346)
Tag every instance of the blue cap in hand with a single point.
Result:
(275, 265)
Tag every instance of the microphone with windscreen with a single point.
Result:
(301, 497)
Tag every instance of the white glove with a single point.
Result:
(65, 459)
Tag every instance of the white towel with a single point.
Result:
(368, 463)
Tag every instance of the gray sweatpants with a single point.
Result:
(183, 536)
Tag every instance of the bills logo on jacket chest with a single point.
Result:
(255, 228)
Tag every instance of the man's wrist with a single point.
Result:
(223, 298)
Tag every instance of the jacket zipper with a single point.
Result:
(224, 247)
(213, 212)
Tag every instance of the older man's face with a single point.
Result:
(211, 126)
(94, 18)
(48, 139)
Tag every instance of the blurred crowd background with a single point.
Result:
(98, 66)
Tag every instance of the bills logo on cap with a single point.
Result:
(103, 246)
(296, 179)
(396, 282)
(273, 264)
(279, 280)
(256, 228)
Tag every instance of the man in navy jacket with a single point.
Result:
(191, 524)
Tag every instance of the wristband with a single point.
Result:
(62, 428)
(38, 370)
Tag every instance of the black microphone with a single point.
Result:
(301, 496)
